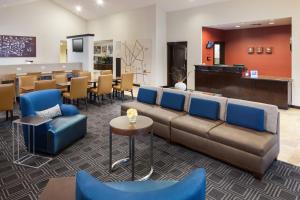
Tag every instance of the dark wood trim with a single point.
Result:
(83, 35)
(296, 107)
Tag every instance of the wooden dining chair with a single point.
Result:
(78, 90)
(125, 85)
(9, 79)
(61, 78)
(7, 93)
(104, 87)
(75, 72)
(44, 85)
(106, 72)
(37, 74)
(26, 83)
(86, 74)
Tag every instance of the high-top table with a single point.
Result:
(121, 126)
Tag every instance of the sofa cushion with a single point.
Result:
(185, 93)
(205, 108)
(147, 96)
(172, 101)
(50, 113)
(194, 125)
(140, 107)
(271, 113)
(159, 91)
(61, 123)
(244, 139)
(162, 115)
(245, 116)
(221, 100)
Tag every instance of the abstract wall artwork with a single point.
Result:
(136, 56)
(17, 46)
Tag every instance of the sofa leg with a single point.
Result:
(258, 176)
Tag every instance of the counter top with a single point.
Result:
(270, 78)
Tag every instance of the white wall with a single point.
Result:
(86, 57)
(187, 26)
(45, 20)
(131, 25)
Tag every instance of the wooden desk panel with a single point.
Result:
(233, 85)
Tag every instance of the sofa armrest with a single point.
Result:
(68, 110)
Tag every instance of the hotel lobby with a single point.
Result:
(149, 99)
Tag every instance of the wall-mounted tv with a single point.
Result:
(77, 45)
(210, 44)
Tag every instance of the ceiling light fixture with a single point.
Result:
(237, 26)
(78, 8)
(271, 23)
(100, 2)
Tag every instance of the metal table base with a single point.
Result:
(113, 166)
(17, 159)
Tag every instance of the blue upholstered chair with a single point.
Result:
(190, 188)
(62, 131)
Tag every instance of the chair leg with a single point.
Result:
(6, 115)
(111, 98)
(11, 115)
(132, 94)
(122, 95)
(86, 104)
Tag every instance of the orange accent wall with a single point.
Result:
(210, 34)
(237, 42)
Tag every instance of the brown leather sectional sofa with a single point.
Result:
(245, 148)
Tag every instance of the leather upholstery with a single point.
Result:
(26, 81)
(78, 88)
(106, 72)
(126, 82)
(45, 85)
(7, 94)
(271, 113)
(162, 115)
(251, 141)
(140, 107)
(221, 100)
(60, 78)
(75, 73)
(36, 74)
(54, 136)
(104, 85)
(90, 188)
(195, 125)
(86, 74)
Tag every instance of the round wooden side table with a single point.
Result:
(121, 126)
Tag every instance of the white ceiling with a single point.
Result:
(90, 9)
(254, 24)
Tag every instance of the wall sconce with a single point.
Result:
(269, 50)
(259, 50)
(251, 50)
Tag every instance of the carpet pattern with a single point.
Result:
(282, 181)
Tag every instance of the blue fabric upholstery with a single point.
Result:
(245, 116)
(147, 96)
(172, 101)
(60, 132)
(205, 108)
(190, 188)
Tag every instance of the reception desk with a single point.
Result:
(230, 82)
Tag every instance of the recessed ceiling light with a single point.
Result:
(78, 8)
(100, 2)
(237, 26)
(271, 23)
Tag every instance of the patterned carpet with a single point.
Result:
(282, 181)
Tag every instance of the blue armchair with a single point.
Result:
(190, 188)
(62, 131)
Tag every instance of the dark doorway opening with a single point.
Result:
(177, 62)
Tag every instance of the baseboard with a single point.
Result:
(296, 107)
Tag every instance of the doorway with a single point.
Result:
(219, 53)
(63, 52)
(177, 62)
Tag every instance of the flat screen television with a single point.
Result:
(77, 45)
(210, 44)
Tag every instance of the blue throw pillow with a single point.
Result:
(205, 108)
(147, 96)
(245, 116)
(172, 101)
